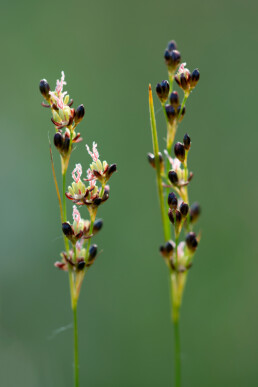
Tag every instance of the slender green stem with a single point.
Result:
(177, 354)
(171, 79)
(76, 354)
(64, 197)
(165, 220)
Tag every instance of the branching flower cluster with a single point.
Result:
(89, 191)
(173, 178)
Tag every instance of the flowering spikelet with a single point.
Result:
(94, 154)
(77, 172)
(76, 215)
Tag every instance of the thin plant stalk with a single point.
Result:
(157, 164)
(166, 228)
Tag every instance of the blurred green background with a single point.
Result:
(110, 51)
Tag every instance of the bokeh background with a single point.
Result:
(110, 51)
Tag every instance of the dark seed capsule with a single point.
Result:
(93, 252)
(172, 45)
(172, 175)
(79, 114)
(67, 229)
(187, 142)
(97, 226)
(44, 88)
(178, 217)
(191, 241)
(167, 249)
(58, 140)
(172, 200)
(66, 144)
(97, 201)
(111, 169)
(171, 113)
(179, 150)
(174, 99)
(171, 216)
(195, 76)
(162, 90)
(151, 159)
(81, 265)
(184, 208)
(195, 211)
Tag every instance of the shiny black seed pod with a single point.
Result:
(172, 45)
(174, 99)
(172, 200)
(171, 216)
(195, 211)
(167, 249)
(44, 88)
(66, 144)
(97, 226)
(151, 159)
(187, 142)
(184, 208)
(178, 217)
(191, 241)
(67, 229)
(111, 169)
(58, 140)
(79, 114)
(93, 252)
(162, 90)
(179, 150)
(81, 265)
(195, 76)
(172, 175)
(171, 113)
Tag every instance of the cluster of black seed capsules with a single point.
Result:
(174, 170)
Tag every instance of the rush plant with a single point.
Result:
(79, 252)
(173, 179)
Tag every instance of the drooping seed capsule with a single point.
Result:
(184, 208)
(67, 229)
(58, 140)
(162, 90)
(44, 89)
(179, 150)
(174, 99)
(195, 211)
(172, 200)
(93, 252)
(191, 241)
(79, 114)
(172, 175)
(187, 142)
(97, 226)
